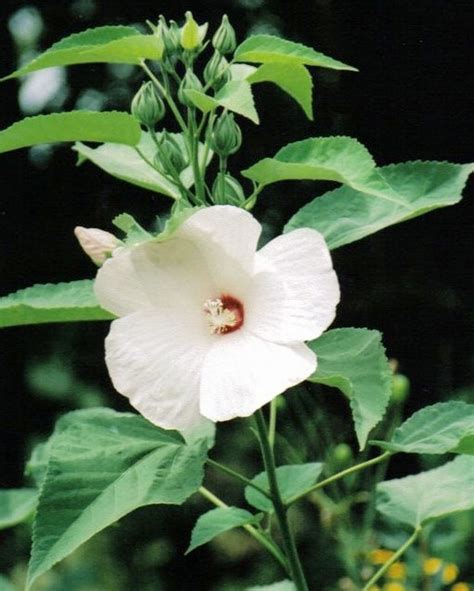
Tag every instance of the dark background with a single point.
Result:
(412, 99)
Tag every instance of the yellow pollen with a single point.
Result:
(220, 319)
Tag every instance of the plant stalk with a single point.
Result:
(296, 570)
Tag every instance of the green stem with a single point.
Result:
(255, 533)
(272, 422)
(206, 145)
(167, 96)
(193, 143)
(383, 569)
(339, 475)
(170, 179)
(294, 564)
(238, 476)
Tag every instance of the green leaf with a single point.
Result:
(292, 480)
(134, 232)
(124, 163)
(414, 188)
(60, 302)
(353, 360)
(341, 159)
(102, 466)
(294, 80)
(416, 500)
(119, 44)
(218, 521)
(281, 586)
(6, 584)
(87, 126)
(437, 429)
(38, 463)
(267, 49)
(17, 505)
(235, 96)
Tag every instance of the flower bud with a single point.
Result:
(400, 388)
(169, 34)
(225, 137)
(170, 158)
(342, 456)
(189, 82)
(216, 71)
(227, 190)
(224, 38)
(191, 34)
(147, 107)
(97, 244)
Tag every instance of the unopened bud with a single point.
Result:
(189, 82)
(170, 158)
(169, 35)
(225, 137)
(97, 244)
(400, 388)
(216, 72)
(224, 38)
(227, 190)
(192, 34)
(147, 107)
(342, 456)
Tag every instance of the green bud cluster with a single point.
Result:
(225, 137)
(147, 107)
(224, 40)
(227, 190)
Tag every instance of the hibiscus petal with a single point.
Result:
(155, 358)
(241, 373)
(295, 291)
(154, 274)
(227, 238)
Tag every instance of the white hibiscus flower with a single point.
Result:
(208, 326)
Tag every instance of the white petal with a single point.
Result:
(155, 359)
(241, 373)
(154, 274)
(227, 237)
(295, 291)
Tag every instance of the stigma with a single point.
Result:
(224, 314)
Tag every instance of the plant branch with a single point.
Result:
(238, 476)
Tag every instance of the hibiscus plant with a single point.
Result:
(208, 324)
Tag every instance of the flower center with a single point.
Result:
(224, 314)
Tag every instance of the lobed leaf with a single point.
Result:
(264, 49)
(103, 465)
(295, 81)
(17, 505)
(125, 163)
(341, 159)
(87, 126)
(437, 429)
(61, 302)
(353, 360)
(394, 194)
(292, 480)
(109, 44)
(217, 521)
(416, 500)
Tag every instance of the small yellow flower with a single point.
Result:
(397, 570)
(431, 566)
(394, 587)
(380, 556)
(450, 573)
(460, 587)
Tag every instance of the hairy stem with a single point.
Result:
(383, 569)
(294, 564)
(339, 475)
